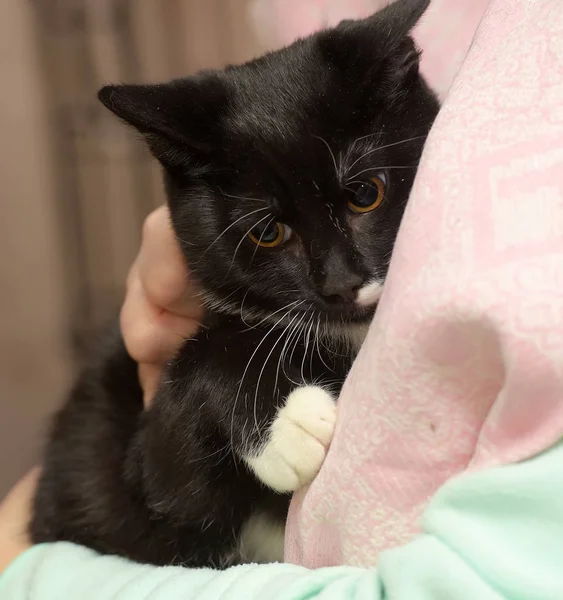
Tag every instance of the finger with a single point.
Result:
(15, 510)
(149, 376)
(163, 271)
(151, 334)
(15, 514)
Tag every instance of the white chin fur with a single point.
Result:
(370, 293)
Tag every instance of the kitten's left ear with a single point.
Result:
(177, 119)
(366, 44)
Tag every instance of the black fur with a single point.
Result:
(292, 136)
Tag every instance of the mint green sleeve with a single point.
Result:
(493, 535)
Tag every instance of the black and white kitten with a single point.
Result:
(287, 178)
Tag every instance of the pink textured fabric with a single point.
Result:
(445, 32)
(463, 365)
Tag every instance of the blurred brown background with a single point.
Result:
(75, 185)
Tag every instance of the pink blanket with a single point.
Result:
(463, 365)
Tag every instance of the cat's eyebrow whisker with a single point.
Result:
(229, 227)
(369, 135)
(345, 187)
(412, 139)
(243, 197)
(336, 169)
(353, 177)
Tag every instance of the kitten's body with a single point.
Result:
(92, 489)
(283, 146)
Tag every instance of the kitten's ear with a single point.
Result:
(396, 20)
(382, 38)
(177, 118)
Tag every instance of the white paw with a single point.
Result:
(298, 440)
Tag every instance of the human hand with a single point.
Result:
(15, 512)
(161, 307)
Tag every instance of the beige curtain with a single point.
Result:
(75, 185)
(106, 181)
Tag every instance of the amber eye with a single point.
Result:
(369, 195)
(270, 234)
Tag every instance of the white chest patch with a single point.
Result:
(261, 540)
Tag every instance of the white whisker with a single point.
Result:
(232, 225)
(353, 177)
(261, 236)
(306, 342)
(244, 375)
(297, 338)
(269, 316)
(243, 197)
(241, 307)
(281, 357)
(418, 137)
(317, 336)
(264, 366)
(293, 335)
(369, 135)
(242, 240)
(312, 350)
(336, 169)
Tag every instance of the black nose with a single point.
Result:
(341, 288)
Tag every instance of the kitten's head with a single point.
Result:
(287, 177)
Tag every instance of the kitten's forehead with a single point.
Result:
(305, 115)
(293, 102)
(276, 98)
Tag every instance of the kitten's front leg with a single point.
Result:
(280, 431)
(297, 440)
(220, 407)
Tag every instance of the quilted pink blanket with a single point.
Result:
(463, 365)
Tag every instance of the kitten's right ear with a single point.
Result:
(177, 118)
(391, 24)
(360, 48)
